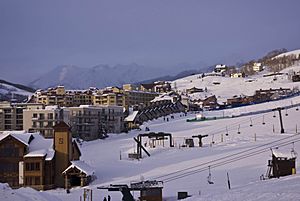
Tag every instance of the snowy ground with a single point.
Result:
(6, 89)
(186, 169)
(230, 87)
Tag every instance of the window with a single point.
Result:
(61, 140)
(34, 115)
(9, 150)
(32, 166)
(42, 116)
(50, 116)
(37, 166)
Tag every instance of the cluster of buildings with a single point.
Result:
(91, 113)
(127, 96)
(36, 138)
(260, 96)
(222, 70)
(87, 122)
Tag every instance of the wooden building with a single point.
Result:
(28, 159)
(78, 174)
(282, 164)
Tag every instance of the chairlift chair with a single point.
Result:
(209, 177)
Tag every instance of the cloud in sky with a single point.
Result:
(40, 35)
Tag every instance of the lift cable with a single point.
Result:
(191, 172)
(226, 157)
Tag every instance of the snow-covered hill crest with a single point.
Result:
(9, 91)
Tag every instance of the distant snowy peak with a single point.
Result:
(100, 76)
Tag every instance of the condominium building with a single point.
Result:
(91, 122)
(132, 98)
(87, 122)
(43, 119)
(11, 115)
(108, 99)
(63, 98)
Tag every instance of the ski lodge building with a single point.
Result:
(29, 159)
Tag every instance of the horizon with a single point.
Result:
(39, 36)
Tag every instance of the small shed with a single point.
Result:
(282, 164)
(189, 142)
(131, 120)
(78, 174)
(149, 190)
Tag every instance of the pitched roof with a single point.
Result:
(24, 138)
(82, 166)
(61, 126)
(131, 116)
(287, 155)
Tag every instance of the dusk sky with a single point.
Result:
(36, 36)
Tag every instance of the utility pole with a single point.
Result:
(280, 118)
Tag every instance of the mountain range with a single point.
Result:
(74, 77)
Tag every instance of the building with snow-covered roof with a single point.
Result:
(29, 159)
(282, 164)
(220, 68)
(257, 67)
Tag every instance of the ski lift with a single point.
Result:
(251, 122)
(209, 177)
(274, 114)
(286, 113)
(239, 129)
(226, 131)
(297, 109)
(263, 122)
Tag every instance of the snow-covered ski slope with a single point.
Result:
(229, 87)
(5, 89)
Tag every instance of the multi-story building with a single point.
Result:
(28, 159)
(43, 119)
(87, 121)
(63, 98)
(257, 67)
(109, 98)
(132, 98)
(11, 115)
(91, 122)
(113, 96)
